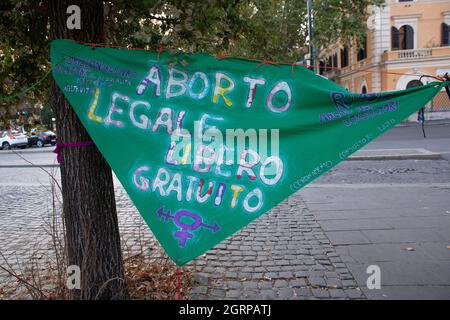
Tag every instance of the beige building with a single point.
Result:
(405, 37)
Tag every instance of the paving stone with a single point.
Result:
(251, 294)
(217, 294)
(201, 279)
(235, 294)
(257, 275)
(286, 274)
(268, 294)
(297, 283)
(337, 293)
(199, 290)
(265, 284)
(250, 285)
(229, 274)
(234, 284)
(317, 282)
(286, 293)
(334, 283)
(320, 293)
(354, 293)
(349, 283)
(272, 275)
(281, 284)
(303, 292)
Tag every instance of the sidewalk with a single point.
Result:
(382, 224)
(284, 254)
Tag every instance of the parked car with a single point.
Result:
(43, 138)
(10, 140)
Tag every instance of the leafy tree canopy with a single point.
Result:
(259, 29)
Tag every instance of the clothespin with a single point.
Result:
(161, 49)
(222, 56)
(447, 87)
(267, 63)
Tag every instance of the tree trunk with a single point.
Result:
(89, 208)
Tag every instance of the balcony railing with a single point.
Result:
(418, 53)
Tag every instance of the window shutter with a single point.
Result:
(362, 53)
(445, 31)
(344, 57)
(409, 32)
(394, 39)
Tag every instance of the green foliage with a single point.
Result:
(341, 19)
(201, 25)
(24, 49)
(260, 29)
(276, 30)
(46, 116)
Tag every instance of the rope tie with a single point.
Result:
(267, 63)
(222, 56)
(161, 49)
(179, 283)
(61, 145)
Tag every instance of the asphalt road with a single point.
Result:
(411, 136)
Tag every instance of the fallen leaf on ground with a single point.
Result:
(332, 287)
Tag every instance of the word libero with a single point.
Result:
(206, 158)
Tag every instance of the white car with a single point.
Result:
(10, 140)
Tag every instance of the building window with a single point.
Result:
(364, 90)
(335, 60)
(344, 57)
(445, 35)
(322, 67)
(394, 39)
(414, 83)
(406, 37)
(362, 52)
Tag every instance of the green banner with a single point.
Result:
(203, 145)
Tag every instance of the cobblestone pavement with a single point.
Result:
(282, 255)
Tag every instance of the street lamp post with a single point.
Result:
(310, 34)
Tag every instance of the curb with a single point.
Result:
(40, 150)
(427, 123)
(396, 157)
(395, 154)
(2, 166)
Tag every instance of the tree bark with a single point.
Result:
(89, 208)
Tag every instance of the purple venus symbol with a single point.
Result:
(186, 228)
